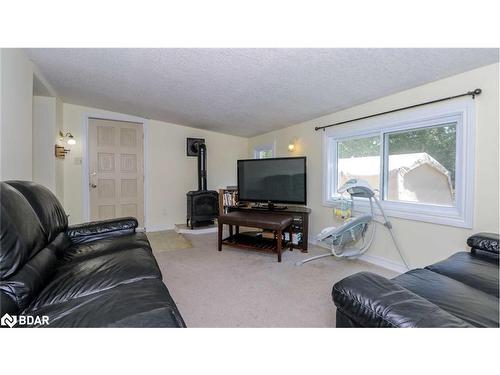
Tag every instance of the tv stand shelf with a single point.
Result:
(252, 240)
(300, 215)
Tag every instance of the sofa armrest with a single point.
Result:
(371, 300)
(96, 230)
(484, 241)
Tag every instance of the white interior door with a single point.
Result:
(116, 168)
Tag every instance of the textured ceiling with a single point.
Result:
(243, 92)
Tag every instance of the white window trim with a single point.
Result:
(266, 147)
(461, 111)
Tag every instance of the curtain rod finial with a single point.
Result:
(475, 92)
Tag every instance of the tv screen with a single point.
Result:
(276, 180)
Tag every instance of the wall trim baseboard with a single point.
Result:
(384, 262)
(184, 229)
(181, 228)
(158, 228)
(374, 259)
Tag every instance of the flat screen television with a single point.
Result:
(273, 180)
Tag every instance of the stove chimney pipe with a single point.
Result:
(202, 166)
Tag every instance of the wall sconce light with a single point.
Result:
(71, 140)
(59, 151)
(292, 144)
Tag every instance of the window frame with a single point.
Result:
(459, 111)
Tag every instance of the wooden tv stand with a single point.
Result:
(300, 224)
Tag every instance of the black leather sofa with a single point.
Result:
(98, 274)
(461, 291)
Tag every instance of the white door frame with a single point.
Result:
(85, 159)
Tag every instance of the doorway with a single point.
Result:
(116, 169)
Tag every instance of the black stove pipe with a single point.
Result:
(202, 167)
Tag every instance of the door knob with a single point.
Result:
(91, 184)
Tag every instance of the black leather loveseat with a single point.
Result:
(461, 291)
(100, 274)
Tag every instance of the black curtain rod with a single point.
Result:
(469, 93)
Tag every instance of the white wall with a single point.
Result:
(16, 115)
(59, 173)
(44, 138)
(171, 172)
(47, 119)
(423, 243)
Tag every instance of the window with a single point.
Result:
(420, 164)
(359, 158)
(263, 151)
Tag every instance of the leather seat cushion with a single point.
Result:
(30, 279)
(472, 305)
(145, 303)
(477, 271)
(256, 220)
(78, 279)
(103, 246)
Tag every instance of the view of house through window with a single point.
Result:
(421, 165)
(418, 164)
(265, 154)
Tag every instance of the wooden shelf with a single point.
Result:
(224, 208)
(254, 241)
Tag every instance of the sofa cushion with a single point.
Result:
(371, 300)
(472, 305)
(477, 271)
(103, 246)
(46, 206)
(30, 279)
(7, 304)
(21, 235)
(145, 303)
(77, 279)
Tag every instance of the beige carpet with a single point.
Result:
(242, 288)
(168, 240)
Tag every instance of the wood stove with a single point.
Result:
(203, 204)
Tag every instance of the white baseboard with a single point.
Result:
(384, 262)
(184, 229)
(377, 260)
(158, 228)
